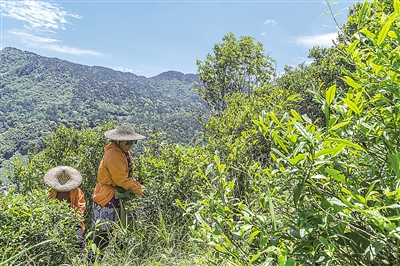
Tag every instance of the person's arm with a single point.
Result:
(117, 166)
(78, 200)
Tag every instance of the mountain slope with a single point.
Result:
(38, 94)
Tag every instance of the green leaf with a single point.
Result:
(373, 249)
(337, 126)
(352, 46)
(330, 94)
(257, 256)
(276, 120)
(271, 210)
(394, 162)
(334, 150)
(369, 34)
(290, 262)
(337, 175)
(347, 143)
(297, 192)
(278, 139)
(385, 28)
(208, 169)
(392, 35)
(318, 177)
(396, 5)
(261, 125)
(336, 202)
(255, 233)
(363, 12)
(298, 158)
(392, 206)
(296, 115)
(304, 132)
(352, 106)
(351, 82)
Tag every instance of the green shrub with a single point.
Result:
(329, 195)
(35, 230)
(80, 148)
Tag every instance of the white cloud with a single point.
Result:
(37, 14)
(41, 21)
(50, 44)
(28, 38)
(270, 21)
(71, 50)
(323, 40)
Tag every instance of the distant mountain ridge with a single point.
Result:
(38, 94)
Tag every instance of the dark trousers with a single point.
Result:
(81, 241)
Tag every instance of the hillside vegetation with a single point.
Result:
(38, 94)
(301, 169)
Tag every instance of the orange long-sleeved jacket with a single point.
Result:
(112, 172)
(77, 201)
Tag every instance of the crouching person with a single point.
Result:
(64, 182)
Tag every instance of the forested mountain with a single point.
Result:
(38, 94)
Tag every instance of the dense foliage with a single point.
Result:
(39, 94)
(304, 171)
(329, 195)
(36, 230)
(236, 66)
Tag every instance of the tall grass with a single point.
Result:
(147, 240)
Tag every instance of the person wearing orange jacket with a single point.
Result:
(115, 174)
(64, 182)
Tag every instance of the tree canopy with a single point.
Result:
(236, 66)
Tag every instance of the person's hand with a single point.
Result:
(119, 193)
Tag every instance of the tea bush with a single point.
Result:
(329, 195)
(36, 230)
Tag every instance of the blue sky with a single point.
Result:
(151, 37)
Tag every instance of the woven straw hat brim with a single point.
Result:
(51, 178)
(123, 133)
(114, 135)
